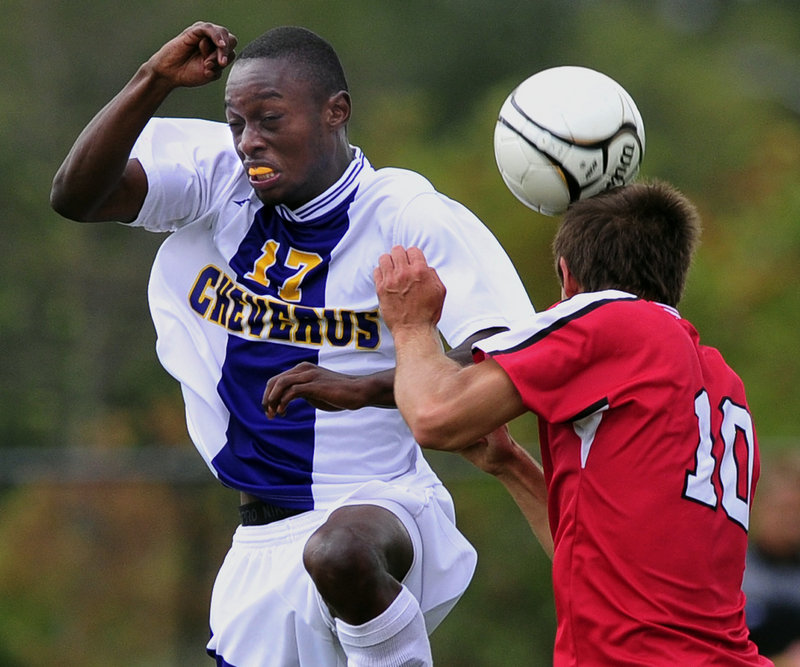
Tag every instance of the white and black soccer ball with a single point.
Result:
(567, 133)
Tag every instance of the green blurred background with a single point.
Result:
(111, 529)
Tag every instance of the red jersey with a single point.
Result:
(651, 463)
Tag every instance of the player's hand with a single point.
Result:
(493, 452)
(409, 291)
(322, 388)
(196, 56)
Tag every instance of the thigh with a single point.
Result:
(264, 609)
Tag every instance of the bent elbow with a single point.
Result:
(65, 210)
(65, 205)
(433, 429)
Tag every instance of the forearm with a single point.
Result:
(524, 480)
(377, 390)
(379, 387)
(442, 408)
(96, 165)
(446, 405)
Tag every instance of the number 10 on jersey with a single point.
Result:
(736, 497)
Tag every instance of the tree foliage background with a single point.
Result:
(119, 572)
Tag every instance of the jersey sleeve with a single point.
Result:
(560, 363)
(483, 287)
(189, 164)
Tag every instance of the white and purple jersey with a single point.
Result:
(240, 292)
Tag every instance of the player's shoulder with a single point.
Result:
(205, 146)
(629, 316)
(400, 182)
(624, 306)
(199, 127)
(603, 303)
(609, 311)
(414, 209)
(195, 135)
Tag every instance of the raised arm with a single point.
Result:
(97, 181)
(446, 405)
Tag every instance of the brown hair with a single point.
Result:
(639, 238)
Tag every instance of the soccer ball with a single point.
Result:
(567, 133)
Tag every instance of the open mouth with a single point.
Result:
(260, 174)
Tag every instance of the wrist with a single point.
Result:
(411, 331)
(521, 472)
(377, 390)
(150, 80)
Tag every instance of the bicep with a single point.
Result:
(125, 202)
(122, 203)
(490, 399)
(477, 400)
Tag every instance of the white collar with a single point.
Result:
(332, 197)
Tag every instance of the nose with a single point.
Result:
(251, 140)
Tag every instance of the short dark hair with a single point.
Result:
(639, 238)
(304, 48)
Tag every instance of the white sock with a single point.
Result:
(395, 638)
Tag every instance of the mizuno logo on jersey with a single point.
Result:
(216, 297)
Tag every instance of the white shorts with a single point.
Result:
(265, 610)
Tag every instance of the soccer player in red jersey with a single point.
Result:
(649, 455)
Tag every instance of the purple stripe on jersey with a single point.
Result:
(273, 459)
(270, 459)
(220, 660)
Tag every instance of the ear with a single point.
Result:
(569, 286)
(338, 109)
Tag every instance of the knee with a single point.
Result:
(338, 559)
(358, 548)
(357, 559)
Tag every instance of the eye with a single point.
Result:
(270, 119)
(236, 127)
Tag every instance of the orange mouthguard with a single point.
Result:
(259, 171)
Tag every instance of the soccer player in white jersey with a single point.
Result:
(348, 551)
